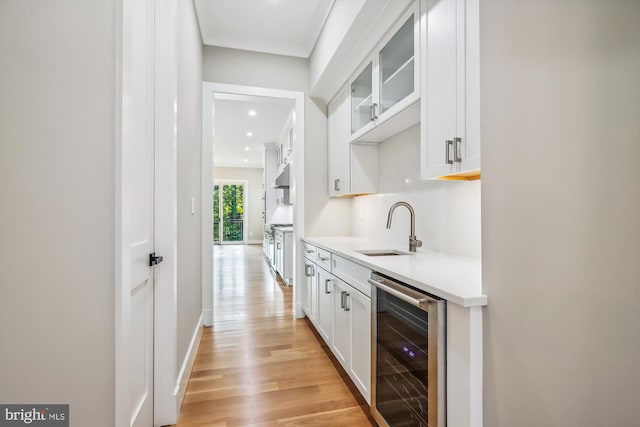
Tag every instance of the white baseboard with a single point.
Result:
(187, 364)
(254, 242)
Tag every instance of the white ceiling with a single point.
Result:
(231, 122)
(282, 27)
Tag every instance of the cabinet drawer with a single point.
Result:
(309, 251)
(324, 259)
(352, 273)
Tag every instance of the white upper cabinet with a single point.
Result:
(352, 168)
(397, 67)
(362, 105)
(450, 101)
(388, 83)
(338, 144)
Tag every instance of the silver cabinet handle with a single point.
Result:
(447, 148)
(375, 110)
(310, 251)
(324, 258)
(326, 286)
(342, 299)
(372, 115)
(309, 271)
(278, 245)
(457, 148)
(336, 184)
(347, 307)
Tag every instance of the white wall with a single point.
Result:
(560, 208)
(57, 215)
(253, 197)
(322, 215)
(447, 212)
(189, 305)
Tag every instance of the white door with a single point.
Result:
(359, 306)
(341, 323)
(325, 306)
(339, 146)
(441, 97)
(135, 305)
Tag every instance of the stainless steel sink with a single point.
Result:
(383, 252)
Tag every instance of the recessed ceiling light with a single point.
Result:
(252, 113)
(249, 133)
(247, 148)
(245, 160)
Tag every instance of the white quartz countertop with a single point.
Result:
(456, 279)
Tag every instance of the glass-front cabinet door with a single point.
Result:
(362, 99)
(388, 82)
(397, 67)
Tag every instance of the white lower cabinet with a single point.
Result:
(341, 329)
(340, 310)
(284, 255)
(324, 318)
(360, 342)
(352, 334)
(310, 289)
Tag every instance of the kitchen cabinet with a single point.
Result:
(268, 247)
(310, 289)
(450, 101)
(341, 323)
(270, 174)
(338, 304)
(284, 254)
(360, 341)
(285, 146)
(388, 83)
(352, 334)
(323, 259)
(352, 168)
(324, 315)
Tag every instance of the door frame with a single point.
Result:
(245, 205)
(296, 189)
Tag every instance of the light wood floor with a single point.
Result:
(257, 365)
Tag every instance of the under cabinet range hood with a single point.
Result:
(282, 180)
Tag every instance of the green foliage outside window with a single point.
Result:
(232, 212)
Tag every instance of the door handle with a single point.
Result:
(447, 148)
(326, 286)
(457, 148)
(154, 260)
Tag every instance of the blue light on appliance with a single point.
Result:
(409, 352)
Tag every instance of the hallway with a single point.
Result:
(258, 365)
